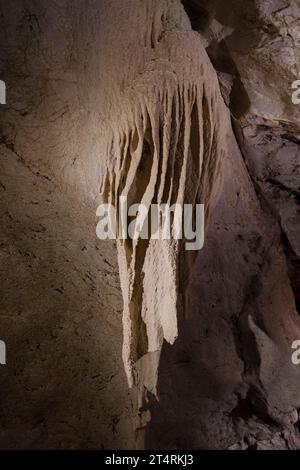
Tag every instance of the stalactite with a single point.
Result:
(165, 144)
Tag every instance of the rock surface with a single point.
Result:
(230, 375)
(227, 381)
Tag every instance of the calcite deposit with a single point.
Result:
(164, 141)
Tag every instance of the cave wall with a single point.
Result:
(227, 381)
(231, 366)
(63, 386)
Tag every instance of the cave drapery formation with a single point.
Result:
(162, 101)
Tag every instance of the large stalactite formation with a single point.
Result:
(165, 144)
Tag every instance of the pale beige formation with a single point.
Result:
(165, 140)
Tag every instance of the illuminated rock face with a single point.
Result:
(119, 97)
(165, 142)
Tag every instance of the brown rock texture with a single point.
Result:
(158, 100)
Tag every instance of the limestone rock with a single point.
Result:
(102, 97)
